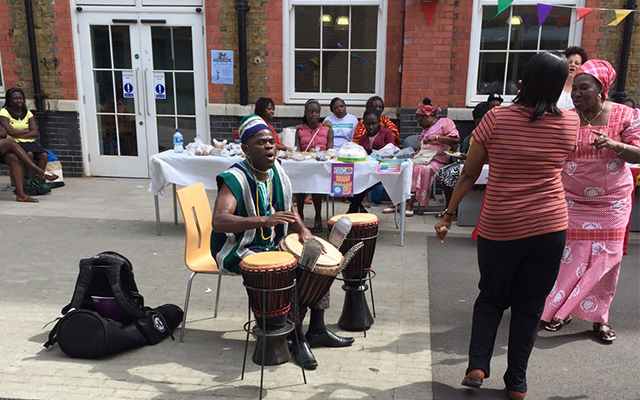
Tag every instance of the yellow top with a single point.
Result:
(291, 243)
(18, 124)
(268, 259)
(358, 218)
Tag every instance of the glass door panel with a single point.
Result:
(173, 56)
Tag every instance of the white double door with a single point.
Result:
(143, 76)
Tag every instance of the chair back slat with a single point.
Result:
(196, 212)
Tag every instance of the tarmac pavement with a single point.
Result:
(416, 348)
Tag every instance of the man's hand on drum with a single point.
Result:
(442, 228)
(280, 218)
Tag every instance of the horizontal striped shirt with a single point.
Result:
(524, 195)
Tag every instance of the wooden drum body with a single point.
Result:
(364, 227)
(269, 270)
(312, 285)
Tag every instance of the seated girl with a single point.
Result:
(310, 136)
(377, 103)
(376, 137)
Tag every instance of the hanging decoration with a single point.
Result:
(620, 15)
(543, 12)
(527, 20)
(562, 21)
(503, 5)
(583, 12)
(429, 8)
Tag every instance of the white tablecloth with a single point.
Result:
(307, 176)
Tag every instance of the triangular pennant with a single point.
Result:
(583, 12)
(620, 15)
(543, 12)
(429, 9)
(562, 21)
(503, 5)
(527, 20)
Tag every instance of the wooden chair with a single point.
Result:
(197, 251)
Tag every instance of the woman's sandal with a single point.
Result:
(317, 226)
(27, 199)
(604, 332)
(556, 324)
(389, 210)
(48, 176)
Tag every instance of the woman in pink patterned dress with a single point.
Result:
(598, 186)
(437, 134)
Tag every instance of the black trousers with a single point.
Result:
(517, 274)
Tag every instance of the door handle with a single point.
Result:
(148, 107)
(124, 21)
(137, 96)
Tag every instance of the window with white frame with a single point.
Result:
(334, 48)
(502, 45)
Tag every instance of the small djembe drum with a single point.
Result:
(269, 279)
(313, 283)
(355, 311)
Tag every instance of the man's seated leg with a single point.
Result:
(300, 349)
(318, 335)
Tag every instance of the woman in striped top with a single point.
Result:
(523, 223)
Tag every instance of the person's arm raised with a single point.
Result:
(224, 219)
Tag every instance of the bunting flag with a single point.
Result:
(583, 12)
(543, 12)
(527, 20)
(429, 9)
(503, 5)
(562, 21)
(620, 15)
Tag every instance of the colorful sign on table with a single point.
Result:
(342, 179)
(389, 168)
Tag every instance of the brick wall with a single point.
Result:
(605, 42)
(264, 38)
(63, 134)
(434, 56)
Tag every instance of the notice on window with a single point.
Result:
(127, 85)
(342, 179)
(222, 67)
(159, 86)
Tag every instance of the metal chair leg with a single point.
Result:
(373, 304)
(215, 312)
(186, 306)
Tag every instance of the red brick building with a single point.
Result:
(119, 76)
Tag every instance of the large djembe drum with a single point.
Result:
(313, 283)
(269, 278)
(355, 311)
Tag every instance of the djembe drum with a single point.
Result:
(355, 311)
(269, 280)
(313, 284)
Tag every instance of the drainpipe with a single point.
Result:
(40, 114)
(400, 67)
(621, 92)
(243, 8)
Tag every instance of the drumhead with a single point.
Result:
(268, 259)
(357, 218)
(332, 257)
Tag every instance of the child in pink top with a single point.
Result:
(310, 136)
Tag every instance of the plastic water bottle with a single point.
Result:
(178, 140)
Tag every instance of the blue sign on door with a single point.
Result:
(127, 85)
(159, 86)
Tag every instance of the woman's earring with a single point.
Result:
(599, 96)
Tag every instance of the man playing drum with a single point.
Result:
(252, 213)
